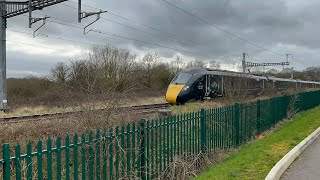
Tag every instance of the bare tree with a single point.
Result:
(149, 61)
(214, 65)
(60, 72)
(178, 64)
(196, 63)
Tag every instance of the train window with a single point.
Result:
(181, 78)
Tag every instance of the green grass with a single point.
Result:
(255, 160)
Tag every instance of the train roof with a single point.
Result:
(282, 79)
(306, 82)
(234, 74)
(198, 70)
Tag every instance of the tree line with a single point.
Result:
(100, 71)
(104, 70)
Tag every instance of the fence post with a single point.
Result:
(258, 117)
(142, 149)
(6, 164)
(236, 120)
(203, 130)
(273, 111)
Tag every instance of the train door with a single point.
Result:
(212, 85)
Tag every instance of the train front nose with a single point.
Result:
(173, 92)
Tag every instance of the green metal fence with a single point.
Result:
(145, 150)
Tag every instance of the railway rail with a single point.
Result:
(141, 109)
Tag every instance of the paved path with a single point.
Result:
(307, 166)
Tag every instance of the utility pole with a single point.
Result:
(3, 48)
(10, 9)
(287, 55)
(244, 65)
(291, 72)
(287, 58)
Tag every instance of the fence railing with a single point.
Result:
(145, 150)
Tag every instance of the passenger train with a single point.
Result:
(204, 83)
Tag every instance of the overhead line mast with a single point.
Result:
(247, 65)
(9, 9)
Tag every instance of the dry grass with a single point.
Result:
(26, 131)
(32, 110)
(182, 168)
(22, 132)
(196, 106)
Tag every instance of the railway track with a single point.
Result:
(141, 109)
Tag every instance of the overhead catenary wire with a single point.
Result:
(82, 42)
(71, 24)
(133, 28)
(131, 39)
(219, 28)
(46, 36)
(108, 34)
(35, 45)
(54, 37)
(164, 37)
(77, 26)
(168, 34)
(123, 37)
(143, 31)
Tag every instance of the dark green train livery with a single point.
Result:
(204, 83)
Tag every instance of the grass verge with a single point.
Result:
(255, 160)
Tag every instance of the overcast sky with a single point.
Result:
(282, 26)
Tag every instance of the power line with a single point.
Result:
(108, 34)
(51, 17)
(51, 37)
(73, 25)
(213, 25)
(217, 27)
(123, 37)
(131, 20)
(57, 38)
(164, 37)
(127, 38)
(136, 29)
(29, 44)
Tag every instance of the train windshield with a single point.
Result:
(181, 78)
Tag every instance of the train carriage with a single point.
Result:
(305, 84)
(283, 84)
(204, 83)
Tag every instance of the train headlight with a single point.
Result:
(185, 88)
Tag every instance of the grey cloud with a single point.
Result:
(267, 23)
